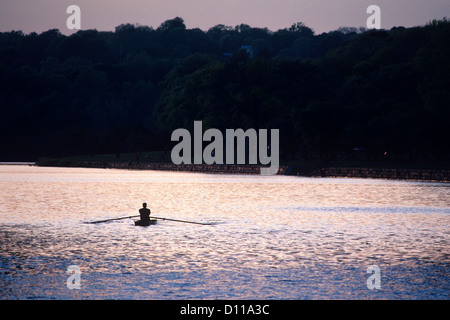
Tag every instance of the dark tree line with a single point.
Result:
(386, 92)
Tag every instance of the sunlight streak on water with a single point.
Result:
(277, 237)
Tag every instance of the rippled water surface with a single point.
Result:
(273, 237)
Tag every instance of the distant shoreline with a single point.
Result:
(17, 163)
(436, 175)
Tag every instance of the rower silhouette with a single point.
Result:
(145, 216)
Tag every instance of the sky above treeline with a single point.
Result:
(320, 15)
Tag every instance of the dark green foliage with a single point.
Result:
(385, 92)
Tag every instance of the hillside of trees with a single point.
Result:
(386, 92)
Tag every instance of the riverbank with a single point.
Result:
(382, 173)
(16, 163)
(134, 165)
(422, 174)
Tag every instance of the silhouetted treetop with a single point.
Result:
(174, 24)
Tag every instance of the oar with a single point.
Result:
(129, 217)
(205, 224)
(160, 218)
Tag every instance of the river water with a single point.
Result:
(273, 237)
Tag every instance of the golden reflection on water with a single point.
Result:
(264, 224)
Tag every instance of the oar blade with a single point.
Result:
(113, 219)
(184, 221)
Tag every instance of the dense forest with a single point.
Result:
(385, 92)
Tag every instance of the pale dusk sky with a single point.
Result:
(320, 15)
